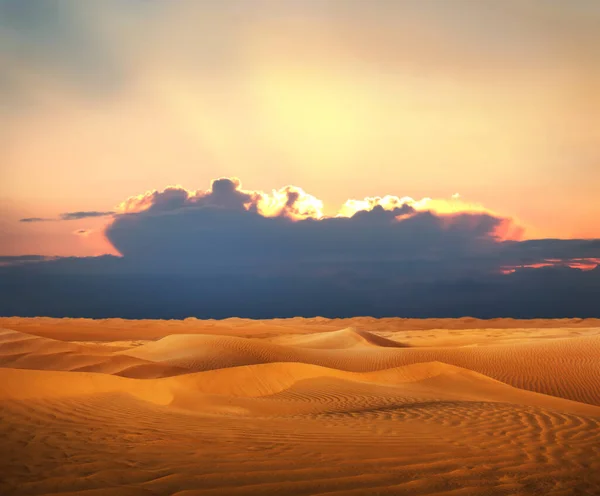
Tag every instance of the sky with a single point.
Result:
(477, 121)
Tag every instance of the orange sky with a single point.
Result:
(498, 101)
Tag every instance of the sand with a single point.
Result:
(300, 406)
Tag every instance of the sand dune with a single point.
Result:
(109, 330)
(299, 407)
(349, 337)
(568, 368)
(26, 351)
(275, 382)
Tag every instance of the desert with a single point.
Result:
(300, 406)
(300, 248)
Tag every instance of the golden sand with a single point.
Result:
(299, 407)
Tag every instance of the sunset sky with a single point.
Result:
(498, 101)
(341, 155)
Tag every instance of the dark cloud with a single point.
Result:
(8, 260)
(224, 229)
(35, 219)
(83, 215)
(22, 258)
(69, 216)
(228, 251)
(205, 237)
(224, 193)
(111, 287)
(537, 250)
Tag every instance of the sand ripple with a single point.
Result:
(318, 411)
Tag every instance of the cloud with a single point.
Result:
(69, 216)
(224, 193)
(109, 286)
(22, 258)
(229, 251)
(229, 226)
(82, 232)
(227, 193)
(8, 260)
(35, 219)
(83, 215)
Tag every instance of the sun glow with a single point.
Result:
(389, 202)
(291, 202)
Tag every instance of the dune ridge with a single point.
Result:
(561, 367)
(430, 381)
(81, 329)
(349, 337)
(27, 351)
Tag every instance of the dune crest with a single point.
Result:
(346, 338)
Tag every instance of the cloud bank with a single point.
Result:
(229, 228)
(227, 251)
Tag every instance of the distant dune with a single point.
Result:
(300, 406)
(346, 338)
(26, 351)
(564, 367)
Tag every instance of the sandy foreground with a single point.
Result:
(299, 407)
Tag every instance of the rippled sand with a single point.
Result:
(299, 406)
